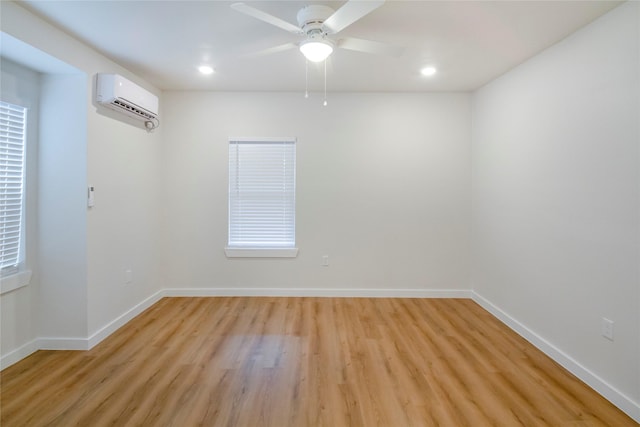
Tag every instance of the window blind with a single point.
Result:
(12, 155)
(262, 194)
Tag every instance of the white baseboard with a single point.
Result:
(51, 343)
(42, 344)
(317, 292)
(123, 319)
(57, 343)
(619, 399)
(625, 403)
(18, 354)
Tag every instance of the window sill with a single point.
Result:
(15, 281)
(260, 253)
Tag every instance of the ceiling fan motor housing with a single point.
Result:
(310, 18)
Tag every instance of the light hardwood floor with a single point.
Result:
(303, 362)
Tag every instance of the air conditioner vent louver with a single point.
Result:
(134, 109)
(117, 93)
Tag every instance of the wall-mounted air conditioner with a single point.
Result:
(119, 94)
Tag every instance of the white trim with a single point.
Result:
(260, 253)
(288, 139)
(18, 354)
(619, 399)
(55, 343)
(318, 292)
(625, 403)
(15, 281)
(123, 319)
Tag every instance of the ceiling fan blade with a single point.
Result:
(350, 13)
(265, 17)
(269, 51)
(369, 46)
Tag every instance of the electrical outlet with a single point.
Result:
(607, 328)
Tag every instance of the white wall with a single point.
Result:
(62, 217)
(124, 231)
(19, 319)
(382, 188)
(120, 159)
(556, 209)
(384, 191)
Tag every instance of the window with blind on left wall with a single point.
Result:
(13, 121)
(262, 189)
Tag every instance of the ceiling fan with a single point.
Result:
(318, 23)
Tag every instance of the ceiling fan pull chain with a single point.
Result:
(325, 83)
(306, 78)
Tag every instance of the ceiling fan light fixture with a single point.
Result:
(428, 71)
(316, 50)
(206, 69)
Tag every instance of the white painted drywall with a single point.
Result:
(382, 188)
(62, 247)
(556, 187)
(121, 160)
(124, 230)
(19, 315)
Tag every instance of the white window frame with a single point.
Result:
(262, 250)
(13, 275)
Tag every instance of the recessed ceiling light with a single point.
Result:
(205, 69)
(428, 71)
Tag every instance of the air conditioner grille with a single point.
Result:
(133, 109)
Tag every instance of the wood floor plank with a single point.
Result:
(279, 362)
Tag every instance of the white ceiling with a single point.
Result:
(470, 42)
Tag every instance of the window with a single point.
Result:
(262, 188)
(12, 164)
